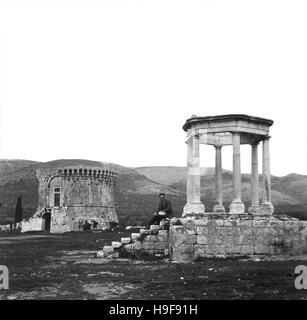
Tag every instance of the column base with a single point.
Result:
(254, 209)
(267, 208)
(219, 208)
(193, 209)
(237, 207)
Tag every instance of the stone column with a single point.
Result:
(254, 208)
(218, 208)
(237, 206)
(194, 206)
(266, 206)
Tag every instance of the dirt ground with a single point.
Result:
(62, 266)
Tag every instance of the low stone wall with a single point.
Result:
(33, 224)
(236, 235)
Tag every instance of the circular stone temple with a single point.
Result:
(219, 131)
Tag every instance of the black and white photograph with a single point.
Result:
(153, 151)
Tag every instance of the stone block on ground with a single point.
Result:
(162, 223)
(135, 236)
(148, 245)
(108, 249)
(125, 240)
(116, 244)
(100, 254)
(137, 245)
(152, 238)
(163, 233)
(145, 231)
(128, 247)
(154, 229)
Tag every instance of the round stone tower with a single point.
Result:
(75, 199)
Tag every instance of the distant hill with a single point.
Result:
(138, 188)
(172, 175)
(7, 166)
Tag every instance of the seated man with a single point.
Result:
(164, 211)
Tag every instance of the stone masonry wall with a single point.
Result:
(60, 220)
(230, 235)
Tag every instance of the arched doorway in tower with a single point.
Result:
(47, 217)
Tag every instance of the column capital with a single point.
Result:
(218, 146)
(255, 143)
(266, 138)
(192, 136)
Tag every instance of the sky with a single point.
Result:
(114, 80)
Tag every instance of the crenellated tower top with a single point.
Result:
(91, 174)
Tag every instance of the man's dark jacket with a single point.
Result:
(166, 206)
